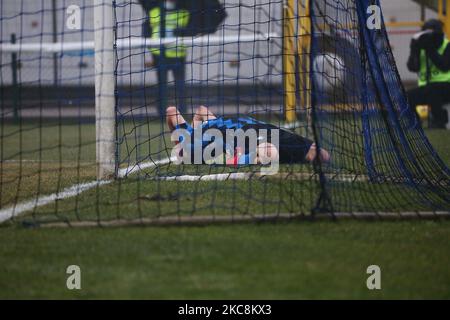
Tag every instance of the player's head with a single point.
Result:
(267, 153)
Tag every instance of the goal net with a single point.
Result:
(101, 102)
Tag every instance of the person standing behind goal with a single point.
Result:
(430, 58)
(172, 57)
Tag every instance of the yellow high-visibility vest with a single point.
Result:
(436, 75)
(174, 19)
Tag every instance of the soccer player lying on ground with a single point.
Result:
(292, 148)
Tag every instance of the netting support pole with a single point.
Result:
(15, 83)
(55, 40)
(444, 15)
(289, 53)
(304, 51)
(162, 65)
(104, 89)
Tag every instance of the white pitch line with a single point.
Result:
(16, 210)
(20, 208)
(141, 166)
(44, 161)
(25, 206)
(211, 177)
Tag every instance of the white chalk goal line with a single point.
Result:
(41, 200)
(20, 208)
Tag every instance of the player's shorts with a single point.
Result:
(293, 148)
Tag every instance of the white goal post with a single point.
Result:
(104, 40)
(105, 114)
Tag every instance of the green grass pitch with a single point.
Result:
(255, 261)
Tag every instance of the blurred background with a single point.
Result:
(256, 68)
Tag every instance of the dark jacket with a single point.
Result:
(205, 16)
(431, 47)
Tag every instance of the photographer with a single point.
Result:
(430, 58)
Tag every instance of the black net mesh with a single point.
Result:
(314, 71)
